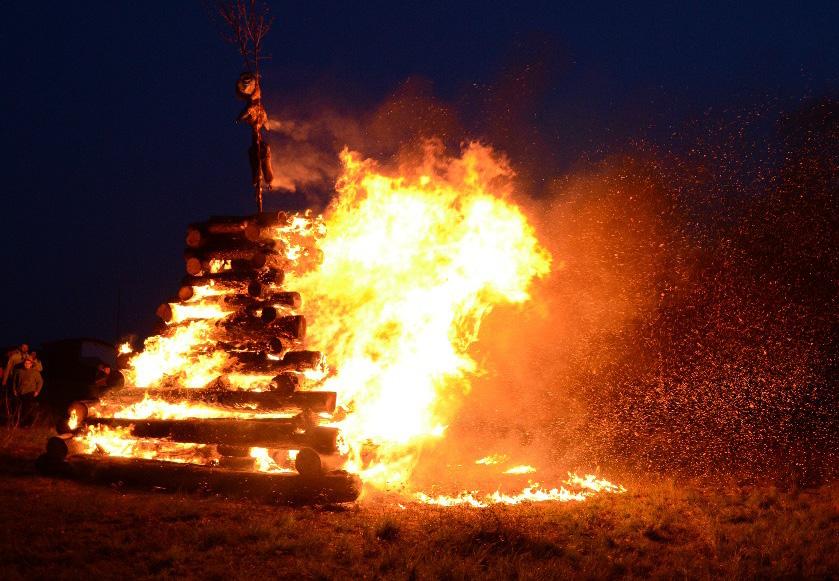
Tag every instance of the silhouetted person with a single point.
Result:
(36, 363)
(16, 357)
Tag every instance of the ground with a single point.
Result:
(61, 529)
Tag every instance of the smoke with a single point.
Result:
(305, 143)
(689, 324)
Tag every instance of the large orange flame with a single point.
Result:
(413, 260)
(397, 277)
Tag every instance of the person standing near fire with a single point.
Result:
(26, 387)
(15, 358)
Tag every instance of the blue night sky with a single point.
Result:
(118, 116)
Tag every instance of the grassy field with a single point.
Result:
(61, 529)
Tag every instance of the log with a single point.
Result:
(263, 299)
(285, 488)
(263, 433)
(287, 383)
(198, 236)
(268, 401)
(290, 327)
(233, 451)
(249, 227)
(230, 249)
(59, 447)
(232, 280)
(261, 259)
(237, 462)
(75, 415)
(309, 463)
(291, 361)
(164, 312)
(224, 224)
(199, 261)
(257, 345)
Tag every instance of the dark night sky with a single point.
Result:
(117, 116)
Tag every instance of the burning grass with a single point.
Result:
(659, 528)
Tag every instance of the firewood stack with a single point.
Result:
(257, 425)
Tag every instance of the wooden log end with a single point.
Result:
(256, 289)
(164, 312)
(193, 237)
(194, 266)
(185, 293)
(285, 383)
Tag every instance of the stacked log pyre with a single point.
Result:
(256, 426)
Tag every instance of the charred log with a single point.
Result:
(286, 488)
(59, 447)
(309, 463)
(263, 433)
(279, 401)
(231, 280)
(291, 300)
(292, 327)
(237, 462)
(164, 312)
(274, 345)
(291, 361)
(246, 258)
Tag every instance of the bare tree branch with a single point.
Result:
(248, 21)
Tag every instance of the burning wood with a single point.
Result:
(413, 263)
(256, 283)
(264, 401)
(226, 373)
(287, 488)
(265, 433)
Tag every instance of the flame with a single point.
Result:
(412, 262)
(173, 355)
(523, 469)
(190, 311)
(397, 276)
(491, 459)
(589, 485)
(268, 462)
(150, 407)
(118, 441)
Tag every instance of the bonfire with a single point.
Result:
(316, 352)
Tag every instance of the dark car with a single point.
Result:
(70, 369)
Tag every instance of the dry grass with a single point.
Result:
(60, 529)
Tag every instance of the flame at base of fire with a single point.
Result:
(586, 486)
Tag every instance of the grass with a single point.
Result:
(61, 529)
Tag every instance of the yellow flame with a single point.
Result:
(119, 442)
(73, 420)
(491, 459)
(523, 469)
(589, 484)
(152, 408)
(174, 356)
(397, 278)
(196, 311)
(412, 263)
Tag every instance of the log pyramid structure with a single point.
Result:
(257, 424)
